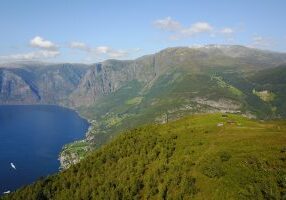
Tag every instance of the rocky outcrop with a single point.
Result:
(14, 89)
(101, 79)
(50, 84)
(78, 84)
(106, 77)
(221, 105)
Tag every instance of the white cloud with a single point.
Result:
(110, 52)
(100, 51)
(196, 28)
(47, 50)
(227, 31)
(261, 42)
(104, 52)
(167, 24)
(39, 42)
(180, 31)
(80, 46)
(42, 54)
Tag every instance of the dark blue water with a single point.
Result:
(31, 137)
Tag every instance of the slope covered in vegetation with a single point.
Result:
(178, 93)
(209, 156)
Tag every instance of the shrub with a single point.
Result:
(281, 179)
(224, 156)
(213, 171)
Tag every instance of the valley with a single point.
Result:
(207, 113)
(117, 95)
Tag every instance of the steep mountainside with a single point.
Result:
(273, 83)
(111, 75)
(115, 95)
(209, 156)
(39, 83)
(14, 89)
(77, 85)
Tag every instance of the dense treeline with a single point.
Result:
(186, 159)
(138, 165)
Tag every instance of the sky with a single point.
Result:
(89, 31)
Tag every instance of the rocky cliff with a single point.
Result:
(77, 84)
(39, 84)
(154, 88)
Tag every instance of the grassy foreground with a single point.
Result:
(192, 158)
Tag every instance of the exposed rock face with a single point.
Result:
(16, 90)
(77, 84)
(107, 77)
(223, 105)
(58, 83)
(50, 84)
(101, 79)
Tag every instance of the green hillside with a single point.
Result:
(170, 97)
(181, 92)
(274, 82)
(116, 95)
(210, 156)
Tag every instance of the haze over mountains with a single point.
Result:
(79, 84)
(183, 99)
(116, 95)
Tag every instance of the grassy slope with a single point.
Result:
(188, 158)
(136, 104)
(274, 81)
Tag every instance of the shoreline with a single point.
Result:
(54, 109)
(88, 121)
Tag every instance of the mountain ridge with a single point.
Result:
(144, 68)
(117, 95)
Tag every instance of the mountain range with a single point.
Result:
(247, 85)
(116, 95)
(79, 84)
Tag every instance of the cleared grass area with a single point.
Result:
(265, 95)
(134, 101)
(221, 83)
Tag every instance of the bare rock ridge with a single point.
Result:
(39, 84)
(15, 89)
(78, 84)
(165, 86)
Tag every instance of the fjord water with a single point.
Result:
(31, 137)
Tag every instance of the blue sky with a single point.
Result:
(91, 31)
